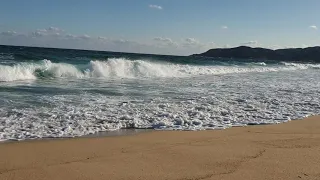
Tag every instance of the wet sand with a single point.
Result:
(284, 151)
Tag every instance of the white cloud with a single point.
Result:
(183, 44)
(55, 29)
(158, 38)
(103, 38)
(55, 37)
(71, 36)
(165, 41)
(162, 39)
(224, 27)
(42, 30)
(211, 44)
(313, 27)
(8, 33)
(191, 40)
(226, 46)
(56, 34)
(274, 47)
(155, 6)
(250, 43)
(50, 31)
(38, 34)
(121, 41)
(85, 36)
(289, 47)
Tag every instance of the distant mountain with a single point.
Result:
(310, 54)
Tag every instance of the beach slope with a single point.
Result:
(283, 151)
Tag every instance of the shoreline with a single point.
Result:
(279, 151)
(119, 132)
(130, 132)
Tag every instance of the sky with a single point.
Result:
(178, 27)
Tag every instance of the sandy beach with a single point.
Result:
(283, 151)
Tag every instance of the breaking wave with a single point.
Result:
(124, 68)
(301, 66)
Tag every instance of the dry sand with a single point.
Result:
(284, 151)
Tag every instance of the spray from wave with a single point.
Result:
(123, 68)
(302, 66)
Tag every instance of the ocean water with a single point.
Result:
(49, 93)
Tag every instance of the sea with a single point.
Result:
(60, 93)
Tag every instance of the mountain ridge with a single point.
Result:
(309, 54)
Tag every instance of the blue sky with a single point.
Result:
(160, 26)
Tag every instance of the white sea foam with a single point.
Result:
(123, 68)
(59, 69)
(16, 72)
(130, 69)
(194, 103)
(302, 66)
(261, 63)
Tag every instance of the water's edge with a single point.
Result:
(131, 132)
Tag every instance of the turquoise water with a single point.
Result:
(67, 93)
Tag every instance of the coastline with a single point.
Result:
(119, 132)
(281, 151)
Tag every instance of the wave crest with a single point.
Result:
(129, 69)
(302, 66)
(16, 72)
(123, 68)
